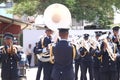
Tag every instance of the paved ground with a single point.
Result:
(31, 74)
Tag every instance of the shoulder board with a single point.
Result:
(74, 49)
(52, 44)
(17, 47)
(1, 47)
(42, 41)
(70, 44)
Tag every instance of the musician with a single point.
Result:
(108, 66)
(47, 66)
(9, 58)
(116, 40)
(86, 58)
(38, 50)
(40, 63)
(77, 62)
(63, 52)
(96, 62)
(77, 67)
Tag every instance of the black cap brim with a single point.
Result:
(8, 36)
(116, 28)
(61, 30)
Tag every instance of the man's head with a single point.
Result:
(63, 33)
(86, 36)
(8, 38)
(48, 32)
(116, 30)
(98, 34)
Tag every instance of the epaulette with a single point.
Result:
(100, 58)
(4, 51)
(115, 48)
(2, 48)
(42, 41)
(74, 49)
(51, 52)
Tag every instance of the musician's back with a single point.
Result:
(63, 53)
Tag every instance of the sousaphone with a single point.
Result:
(55, 16)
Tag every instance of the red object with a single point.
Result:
(12, 28)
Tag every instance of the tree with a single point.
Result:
(25, 7)
(80, 9)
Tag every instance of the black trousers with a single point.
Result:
(29, 57)
(10, 79)
(40, 66)
(47, 70)
(87, 65)
(118, 70)
(96, 73)
(62, 75)
(77, 67)
(110, 75)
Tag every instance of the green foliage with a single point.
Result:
(25, 7)
(90, 9)
(21, 39)
(80, 9)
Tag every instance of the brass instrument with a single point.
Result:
(87, 45)
(55, 16)
(59, 17)
(11, 49)
(44, 56)
(109, 49)
(84, 45)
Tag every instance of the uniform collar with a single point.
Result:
(63, 39)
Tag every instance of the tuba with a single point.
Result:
(55, 16)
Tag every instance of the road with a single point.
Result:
(31, 74)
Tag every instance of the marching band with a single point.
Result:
(99, 55)
(61, 60)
